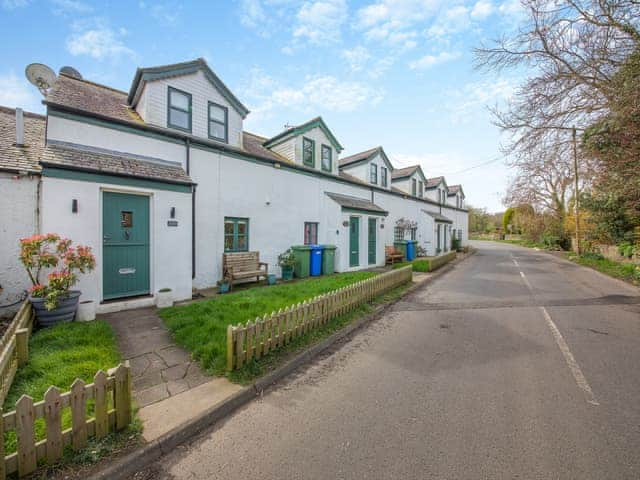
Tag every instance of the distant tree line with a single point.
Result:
(581, 61)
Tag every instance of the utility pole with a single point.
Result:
(577, 201)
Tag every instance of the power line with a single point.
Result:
(488, 162)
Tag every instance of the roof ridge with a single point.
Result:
(6, 109)
(90, 82)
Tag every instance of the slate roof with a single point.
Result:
(253, 144)
(404, 172)
(358, 157)
(25, 158)
(434, 182)
(112, 163)
(453, 189)
(303, 128)
(438, 217)
(356, 203)
(91, 97)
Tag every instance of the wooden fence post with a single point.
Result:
(100, 410)
(230, 343)
(78, 414)
(240, 346)
(259, 342)
(3, 470)
(25, 417)
(53, 422)
(22, 345)
(120, 396)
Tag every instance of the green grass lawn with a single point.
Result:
(57, 356)
(623, 271)
(201, 327)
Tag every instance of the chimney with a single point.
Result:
(19, 127)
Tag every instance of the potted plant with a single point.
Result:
(286, 262)
(224, 286)
(164, 298)
(86, 311)
(55, 301)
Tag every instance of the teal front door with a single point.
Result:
(354, 241)
(125, 246)
(372, 241)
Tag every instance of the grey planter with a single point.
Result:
(65, 312)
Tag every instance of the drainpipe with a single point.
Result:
(187, 146)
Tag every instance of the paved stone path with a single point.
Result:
(160, 369)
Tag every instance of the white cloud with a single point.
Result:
(511, 7)
(168, 13)
(357, 57)
(312, 95)
(429, 61)
(453, 20)
(252, 15)
(320, 21)
(70, 7)
(475, 97)
(18, 92)
(13, 4)
(481, 10)
(99, 42)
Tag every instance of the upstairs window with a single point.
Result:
(373, 174)
(179, 110)
(218, 122)
(414, 186)
(308, 152)
(310, 233)
(327, 160)
(383, 176)
(420, 189)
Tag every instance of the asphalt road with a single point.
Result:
(515, 364)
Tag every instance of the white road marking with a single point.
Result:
(515, 261)
(569, 359)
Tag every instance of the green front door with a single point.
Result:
(354, 241)
(125, 247)
(372, 241)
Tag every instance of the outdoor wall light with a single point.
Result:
(345, 223)
(173, 212)
(337, 232)
(74, 205)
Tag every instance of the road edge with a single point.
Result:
(144, 456)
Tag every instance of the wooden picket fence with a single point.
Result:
(111, 395)
(14, 347)
(259, 337)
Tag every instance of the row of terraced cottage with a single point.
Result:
(161, 180)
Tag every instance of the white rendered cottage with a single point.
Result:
(163, 179)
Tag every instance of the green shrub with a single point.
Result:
(625, 249)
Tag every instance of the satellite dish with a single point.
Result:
(71, 72)
(41, 76)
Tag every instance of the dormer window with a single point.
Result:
(308, 152)
(414, 186)
(383, 176)
(373, 174)
(218, 122)
(327, 160)
(179, 110)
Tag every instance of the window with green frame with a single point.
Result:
(414, 186)
(308, 152)
(420, 189)
(326, 157)
(236, 234)
(218, 122)
(373, 176)
(398, 234)
(178, 109)
(383, 176)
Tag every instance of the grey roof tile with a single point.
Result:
(21, 158)
(356, 203)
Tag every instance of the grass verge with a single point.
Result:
(57, 356)
(624, 271)
(257, 368)
(201, 327)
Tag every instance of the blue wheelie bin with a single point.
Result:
(411, 251)
(316, 260)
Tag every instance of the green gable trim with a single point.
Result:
(301, 130)
(365, 211)
(209, 146)
(144, 75)
(85, 176)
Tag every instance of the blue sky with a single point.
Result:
(396, 73)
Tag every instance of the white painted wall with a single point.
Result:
(154, 109)
(287, 149)
(18, 204)
(170, 246)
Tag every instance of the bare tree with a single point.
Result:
(571, 50)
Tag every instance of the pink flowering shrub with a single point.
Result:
(49, 251)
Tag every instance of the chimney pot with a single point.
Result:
(19, 127)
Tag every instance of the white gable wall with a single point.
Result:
(316, 134)
(362, 170)
(155, 95)
(287, 149)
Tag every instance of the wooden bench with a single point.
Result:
(243, 265)
(392, 254)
